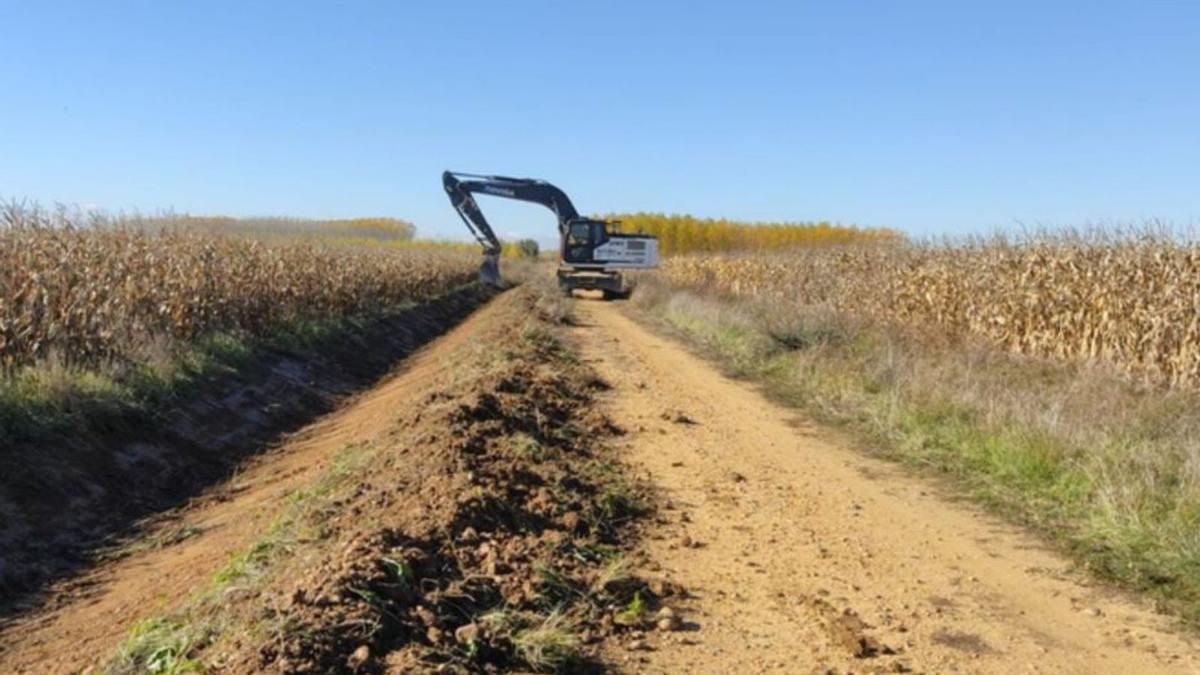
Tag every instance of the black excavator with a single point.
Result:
(591, 255)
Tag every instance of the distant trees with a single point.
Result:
(689, 234)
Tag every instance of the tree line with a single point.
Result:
(689, 234)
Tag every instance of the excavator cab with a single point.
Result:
(582, 239)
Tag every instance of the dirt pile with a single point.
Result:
(488, 536)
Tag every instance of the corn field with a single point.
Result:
(92, 293)
(1133, 303)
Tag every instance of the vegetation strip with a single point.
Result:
(1108, 469)
(488, 531)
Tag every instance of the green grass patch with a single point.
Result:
(162, 647)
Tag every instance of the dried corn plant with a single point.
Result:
(1129, 301)
(88, 293)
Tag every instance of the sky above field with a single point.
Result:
(931, 117)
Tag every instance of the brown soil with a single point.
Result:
(804, 554)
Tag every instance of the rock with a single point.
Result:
(359, 657)
(468, 536)
(685, 541)
(467, 634)
(668, 620)
(638, 646)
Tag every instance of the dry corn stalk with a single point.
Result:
(1133, 303)
(89, 294)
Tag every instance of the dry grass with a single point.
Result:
(1132, 302)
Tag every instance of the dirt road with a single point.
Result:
(797, 551)
(805, 555)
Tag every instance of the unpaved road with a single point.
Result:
(805, 555)
(799, 552)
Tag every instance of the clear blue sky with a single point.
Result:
(934, 117)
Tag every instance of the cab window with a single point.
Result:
(578, 235)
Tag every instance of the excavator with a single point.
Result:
(591, 253)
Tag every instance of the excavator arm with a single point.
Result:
(461, 187)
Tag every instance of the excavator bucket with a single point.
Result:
(489, 271)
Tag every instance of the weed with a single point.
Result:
(400, 572)
(549, 645)
(160, 646)
(615, 573)
(553, 586)
(634, 612)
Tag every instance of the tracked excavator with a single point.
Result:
(591, 253)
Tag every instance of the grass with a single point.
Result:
(173, 643)
(1108, 469)
(159, 646)
(544, 642)
(548, 645)
(634, 612)
(52, 397)
(618, 571)
(616, 501)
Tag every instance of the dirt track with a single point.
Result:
(805, 555)
(799, 552)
